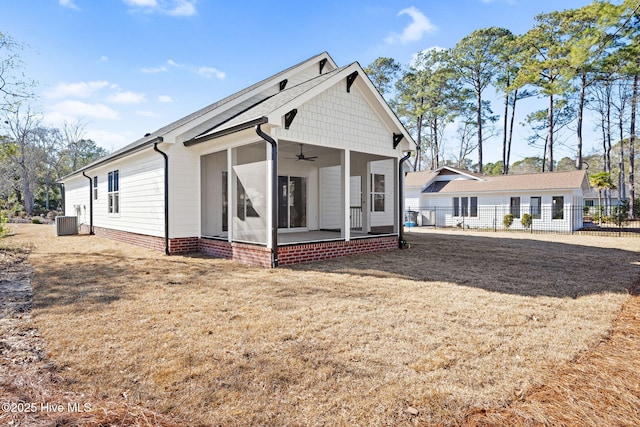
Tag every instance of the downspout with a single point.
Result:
(90, 202)
(166, 194)
(274, 195)
(62, 196)
(402, 244)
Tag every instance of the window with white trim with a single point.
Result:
(536, 207)
(557, 207)
(377, 192)
(514, 207)
(95, 188)
(114, 192)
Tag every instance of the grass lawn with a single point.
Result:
(454, 325)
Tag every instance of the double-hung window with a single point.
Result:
(114, 192)
(514, 207)
(536, 207)
(95, 188)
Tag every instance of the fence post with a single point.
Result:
(495, 219)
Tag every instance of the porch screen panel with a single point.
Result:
(215, 200)
(250, 175)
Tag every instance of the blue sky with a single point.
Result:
(128, 67)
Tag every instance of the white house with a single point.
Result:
(303, 165)
(450, 197)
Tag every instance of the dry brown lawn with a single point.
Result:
(456, 325)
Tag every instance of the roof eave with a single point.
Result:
(226, 131)
(110, 158)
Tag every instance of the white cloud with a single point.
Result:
(104, 58)
(167, 7)
(203, 71)
(164, 98)
(74, 110)
(68, 3)
(210, 71)
(78, 90)
(142, 3)
(183, 8)
(153, 70)
(419, 25)
(127, 98)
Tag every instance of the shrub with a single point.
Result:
(507, 220)
(4, 230)
(35, 221)
(526, 220)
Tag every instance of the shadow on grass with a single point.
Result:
(523, 267)
(91, 280)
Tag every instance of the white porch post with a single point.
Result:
(270, 195)
(230, 195)
(346, 186)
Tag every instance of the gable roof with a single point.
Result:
(474, 183)
(271, 109)
(225, 103)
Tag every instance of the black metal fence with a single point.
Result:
(544, 219)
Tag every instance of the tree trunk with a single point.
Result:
(621, 191)
(632, 145)
(544, 153)
(550, 136)
(607, 192)
(479, 122)
(416, 165)
(513, 118)
(436, 149)
(583, 85)
(26, 190)
(505, 167)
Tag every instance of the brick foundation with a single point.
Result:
(254, 254)
(294, 254)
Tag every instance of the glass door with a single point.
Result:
(292, 202)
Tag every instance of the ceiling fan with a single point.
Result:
(301, 156)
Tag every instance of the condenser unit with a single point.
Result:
(66, 225)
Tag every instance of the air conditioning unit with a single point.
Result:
(66, 225)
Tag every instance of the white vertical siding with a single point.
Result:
(331, 213)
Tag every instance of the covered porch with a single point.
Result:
(317, 194)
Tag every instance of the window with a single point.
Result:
(474, 207)
(557, 207)
(514, 207)
(536, 207)
(95, 188)
(456, 206)
(377, 192)
(465, 206)
(244, 204)
(589, 203)
(114, 192)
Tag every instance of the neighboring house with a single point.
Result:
(449, 197)
(592, 201)
(303, 165)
